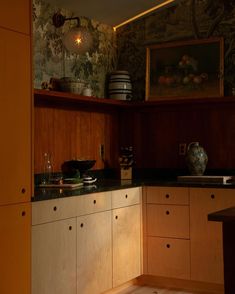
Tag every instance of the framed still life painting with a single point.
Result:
(188, 69)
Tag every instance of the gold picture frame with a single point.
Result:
(185, 69)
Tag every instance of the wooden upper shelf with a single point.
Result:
(53, 98)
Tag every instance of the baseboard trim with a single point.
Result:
(123, 288)
(179, 284)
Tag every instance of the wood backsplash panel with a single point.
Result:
(155, 134)
(68, 134)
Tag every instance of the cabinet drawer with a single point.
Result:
(125, 197)
(97, 202)
(168, 257)
(166, 195)
(168, 221)
(56, 209)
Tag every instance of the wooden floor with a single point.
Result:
(149, 290)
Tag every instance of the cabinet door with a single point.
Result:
(15, 117)
(169, 257)
(206, 236)
(94, 253)
(168, 221)
(16, 15)
(15, 241)
(126, 244)
(54, 257)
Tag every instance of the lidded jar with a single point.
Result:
(196, 159)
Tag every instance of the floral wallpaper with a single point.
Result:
(126, 49)
(52, 60)
(189, 19)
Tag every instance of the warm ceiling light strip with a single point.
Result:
(143, 13)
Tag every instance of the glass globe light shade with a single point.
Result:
(77, 40)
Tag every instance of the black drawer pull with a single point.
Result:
(70, 228)
(167, 212)
(168, 245)
(81, 225)
(23, 213)
(167, 196)
(94, 201)
(54, 208)
(212, 196)
(23, 190)
(116, 216)
(126, 196)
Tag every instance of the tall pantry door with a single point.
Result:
(15, 117)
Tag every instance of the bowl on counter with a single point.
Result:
(75, 168)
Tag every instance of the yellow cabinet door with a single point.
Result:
(54, 257)
(94, 253)
(15, 117)
(15, 241)
(206, 236)
(126, 244)
(15, 15)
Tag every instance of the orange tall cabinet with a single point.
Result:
(16, 146)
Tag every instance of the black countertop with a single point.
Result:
(225, 215)
(102, 185)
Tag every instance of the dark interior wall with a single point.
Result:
(156, 132)
(75, 133)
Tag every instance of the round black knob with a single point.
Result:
(70, 228)
(23, 190)
(212, 196)
(116, 216)
(168, 245)
(23, 213)
(167, 196)
(94, 201)
(81, 225)
(167, 212)
(54, 208)
(126, 196)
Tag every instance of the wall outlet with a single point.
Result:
(182, 148)
(101, 151)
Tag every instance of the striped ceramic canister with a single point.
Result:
(120, 85)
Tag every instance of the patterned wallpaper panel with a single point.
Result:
(125, 49)
(52, 60)
(189, 19)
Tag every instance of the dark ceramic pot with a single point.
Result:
(196, 159)
(76, 168)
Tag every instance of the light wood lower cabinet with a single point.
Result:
(54, 257)
(167, 232)
(126, 244)
(97, 248)
(15, 225)
(206, 237)
(94, 253)
(168, 221)
(169, 257)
